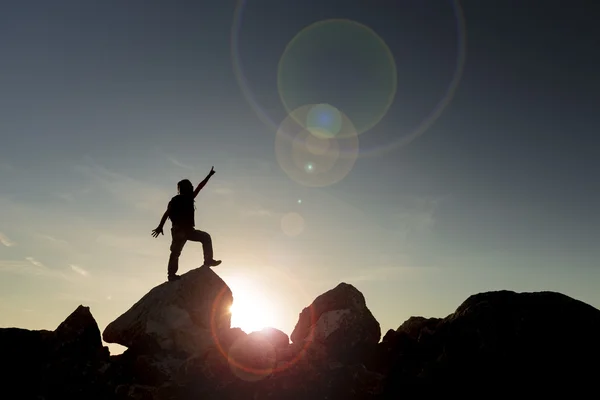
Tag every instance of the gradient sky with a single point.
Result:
(458, 189)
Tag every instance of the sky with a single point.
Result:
(422, 151)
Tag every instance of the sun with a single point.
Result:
(251, 312)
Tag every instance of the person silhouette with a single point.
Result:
(180, 211)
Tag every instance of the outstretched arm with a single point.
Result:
(159, 229)
(203, 183)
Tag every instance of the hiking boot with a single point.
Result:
(174, 278)
(211, 263)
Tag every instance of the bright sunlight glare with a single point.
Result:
(250, 310)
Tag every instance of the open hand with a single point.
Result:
(157, 231)
(212, 170)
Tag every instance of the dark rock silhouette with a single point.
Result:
(501, 338)
(275, 337)
(65, 363)
(183, 315)
(340, 321)
(496, 340)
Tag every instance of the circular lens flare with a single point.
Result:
(310, 157)
(324, 119)
(317, 143)
(384, 147)
(292, 224)
(344, 63)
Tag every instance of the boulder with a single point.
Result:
(414, 327)
(182, 316)
(529, 339)
(334, 380)
(340, 320)
(249, 373)
(237, 355)
(78, 335)
(540, 340)
(274, 336)
(24, 356)
(75, 358)
(62, 364)
(252, 357)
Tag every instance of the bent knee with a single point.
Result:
(201, 235)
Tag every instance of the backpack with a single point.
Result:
(181, 210)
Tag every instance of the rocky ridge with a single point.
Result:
(180, 346)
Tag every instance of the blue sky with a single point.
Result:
(485, 185)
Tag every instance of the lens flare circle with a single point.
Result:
(313, 154)
(388, 146)
(317, 142)
(341, 62)
(292, 224)
(310, 157)
(324, 119)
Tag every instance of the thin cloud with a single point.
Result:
(79, 270)
(139, 194)
(78, 245)
(35, 262)
(5, 240)
(131, 244)
(53, 239)
(33, 268)
(72, 196)
(24, 267)
(58, 244)
(179, 164)
(13, 265)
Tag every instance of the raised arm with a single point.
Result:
(203, 183)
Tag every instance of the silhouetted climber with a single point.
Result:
(181, 213)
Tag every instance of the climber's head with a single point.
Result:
(185, 187)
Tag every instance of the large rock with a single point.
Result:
(274, 336)
(183, 315)
(62, 364)
(78, 335)
(75, 359)
(24, 356)
(414, 327)
(540, 340)
(340, 320)
(250, 371)
(495, 341)
(529, 339)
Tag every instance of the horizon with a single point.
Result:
(437, 152)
